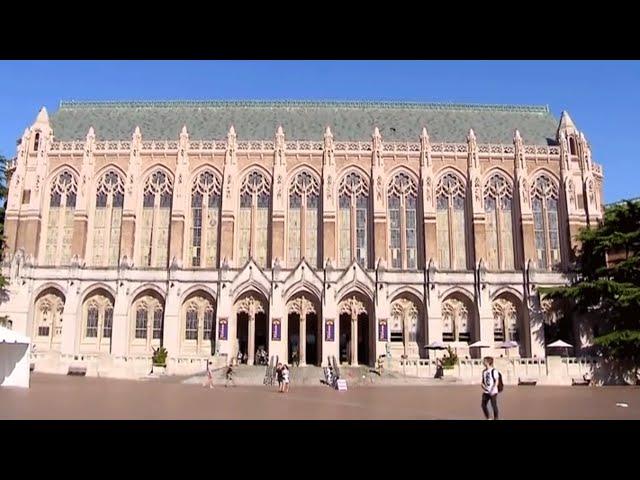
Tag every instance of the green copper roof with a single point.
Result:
(304, 120)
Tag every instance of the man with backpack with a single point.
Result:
(491, 386)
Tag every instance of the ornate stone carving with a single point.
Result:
(250, 306)
(455, 318)
(301, 305)
(351, 306)
(505, 318)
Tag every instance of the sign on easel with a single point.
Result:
(342, 385)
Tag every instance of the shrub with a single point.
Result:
(450, 359)
(160, 357)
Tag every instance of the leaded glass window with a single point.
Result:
(148, 325)
(98, 320)
(156, 220)
(255, 203)
(302, 239)
(450, 222)
(544, 203)
(498, 199)
(62, 204)
(205, 220)
(353, 215)
(107, 219)
(199, 322)
(402, 214)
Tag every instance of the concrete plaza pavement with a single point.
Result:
(68, 397)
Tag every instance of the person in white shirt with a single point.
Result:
(490, 380)
(285, 378)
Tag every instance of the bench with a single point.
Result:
(77, 370)
(580, 382)
(527, 382)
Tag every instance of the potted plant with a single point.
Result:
(159, 360)
(449, 360)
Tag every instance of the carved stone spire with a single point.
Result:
(425, 149)
(566, 125)
(377, 148)
(232, 145)
(473, 162)
(327, 151)
(520, 164)
(279, 158)
(43, 117)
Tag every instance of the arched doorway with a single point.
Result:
(251, 327)
(97, 325)
(197, 336)
(406, 328)
(508, 322)
(459, 324)
(354, 331)
(304, 332)
(47, 327)
(147, 322)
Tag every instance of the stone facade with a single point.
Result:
(368, 247)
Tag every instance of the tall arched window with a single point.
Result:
(498, 198)
(62, 204)
(199, 321)
(98, 322)
(147, 325)
(205, 220)
(505, 320)
(353, 220)
(253, 227)
(156, 219)
(303, 219)
(108, 219)
(544, 202)
(402, 206)
(48, 320)
(456, 324)
(36, 141)
(450, 223)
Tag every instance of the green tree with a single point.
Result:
(609, 295)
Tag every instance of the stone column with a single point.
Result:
(379, 200)
(354, 339)
(71, 323)
(303, 339)
(252, 339)
(119, 330)
(171, 327)
(478, 241)
(229, 200)
(279, 198)
(428, 208)
(329, 200)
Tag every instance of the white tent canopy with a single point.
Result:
(479, 344)
(559, 344)
(14, 359)
(436, 345)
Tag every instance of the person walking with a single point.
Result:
(209, 380)
(229, 377)
(279, 377)
(491, 387)
(285, 378)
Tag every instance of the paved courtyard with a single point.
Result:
(63, 397)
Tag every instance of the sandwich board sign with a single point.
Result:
(342, 385)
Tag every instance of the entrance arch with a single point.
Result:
(304, 331)
(354, 331)
(509, 322)
(251, 326)
(407, 333)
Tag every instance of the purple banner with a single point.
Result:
(222, 329)
(329, 331)
(275, 329)
(382, 330)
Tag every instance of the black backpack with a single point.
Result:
(500, 384)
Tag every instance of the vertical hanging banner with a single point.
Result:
(382, 330)
(222, 329)
(329, 330)
(275, 329)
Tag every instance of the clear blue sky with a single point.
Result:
(603, 98)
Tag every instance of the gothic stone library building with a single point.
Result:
(335, 229)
